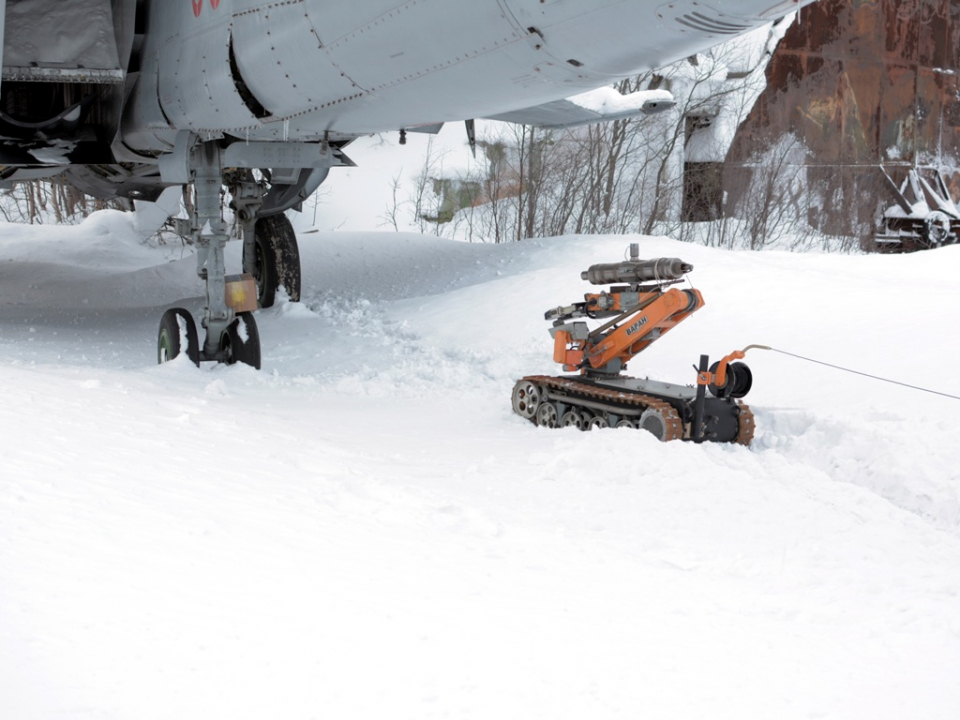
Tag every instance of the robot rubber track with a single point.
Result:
(569, 402)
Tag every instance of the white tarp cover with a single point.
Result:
(60, 41)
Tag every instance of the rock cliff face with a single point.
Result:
(861, 83)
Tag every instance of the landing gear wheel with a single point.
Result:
(597, 421)
(176, 329)
(240, 342)
(547, 415)
(572, 418)
(527, 397)
(653, 422)
(626, 424)
(276, 259)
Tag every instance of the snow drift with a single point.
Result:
(363, 529)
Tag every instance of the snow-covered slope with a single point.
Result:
(363, 529)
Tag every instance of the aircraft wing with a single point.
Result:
(600, 105)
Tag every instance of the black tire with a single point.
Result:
(936, 229)
(240, 342)
(170, 341)
(276, 259)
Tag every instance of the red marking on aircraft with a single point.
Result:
(198, 6)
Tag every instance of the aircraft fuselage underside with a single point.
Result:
(127, 97)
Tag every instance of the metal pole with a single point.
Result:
(696, 434)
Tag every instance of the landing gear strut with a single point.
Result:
(231, 331)
(271, 258)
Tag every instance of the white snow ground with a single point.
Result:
(363, 529)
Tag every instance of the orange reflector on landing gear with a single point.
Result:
(241, 293)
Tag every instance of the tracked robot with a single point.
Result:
(638, 309)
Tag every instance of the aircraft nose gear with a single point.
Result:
(232, 334)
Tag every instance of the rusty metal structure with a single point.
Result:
(863, 84)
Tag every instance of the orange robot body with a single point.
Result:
(634, 314)
(641, 318)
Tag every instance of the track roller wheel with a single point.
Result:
(547, 415)
(177, 329)
(597, 421)
(240, 342)
(527, 397)
(626, 424)
(572, 418)
(277, 259)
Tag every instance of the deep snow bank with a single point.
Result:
(363, 529)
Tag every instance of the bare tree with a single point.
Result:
(633, 175)
(390, 215)
(54, 200)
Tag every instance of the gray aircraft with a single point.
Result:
(129, 97)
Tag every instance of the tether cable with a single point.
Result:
(855, 372)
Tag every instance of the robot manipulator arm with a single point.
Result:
(569, 340)
(566, 312)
